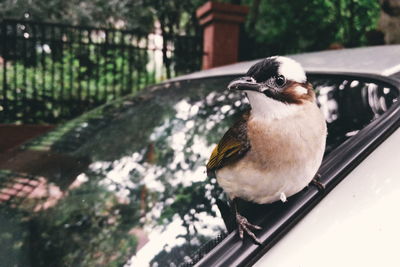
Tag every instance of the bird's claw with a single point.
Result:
(317, 183)
(245, 226)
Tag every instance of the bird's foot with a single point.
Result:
(245, 226)
(317, 183)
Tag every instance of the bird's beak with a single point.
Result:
(245, 83)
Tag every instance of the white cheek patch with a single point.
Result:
(301, 90)
(291, 69)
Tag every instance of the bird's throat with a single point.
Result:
(265, 108)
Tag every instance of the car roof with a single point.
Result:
(378, 60)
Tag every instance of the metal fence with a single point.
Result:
(53, 72)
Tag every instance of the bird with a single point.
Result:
(275, 149)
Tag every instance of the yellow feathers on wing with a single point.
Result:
(233, 145)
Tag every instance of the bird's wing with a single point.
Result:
(233, 146)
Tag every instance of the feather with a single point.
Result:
(232, 147)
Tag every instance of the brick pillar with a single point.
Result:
(221, 24)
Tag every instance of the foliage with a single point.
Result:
(283, 26)
(53, 89)
(175, 17)
(273, 26)
(88, 12)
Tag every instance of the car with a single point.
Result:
(125, 183)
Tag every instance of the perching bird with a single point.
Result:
(275, 149)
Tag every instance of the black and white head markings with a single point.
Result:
(279, 78)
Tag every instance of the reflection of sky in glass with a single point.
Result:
(172, 236)
(328, 104)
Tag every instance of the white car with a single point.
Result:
(125, 184)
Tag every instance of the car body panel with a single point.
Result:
(357, 224)
(354, 60)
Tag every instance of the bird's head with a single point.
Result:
(277, 84)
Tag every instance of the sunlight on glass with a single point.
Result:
(354, 83)
(328, 104)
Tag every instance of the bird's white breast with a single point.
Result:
(284, 157)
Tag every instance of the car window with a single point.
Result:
(126, 182)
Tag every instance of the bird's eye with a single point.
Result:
(280, 80)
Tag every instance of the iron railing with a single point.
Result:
(53, 72)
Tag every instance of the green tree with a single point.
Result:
(283, 26)
(175, 17)
(130, 14)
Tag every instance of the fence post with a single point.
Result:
(221, 24)
(4, 51)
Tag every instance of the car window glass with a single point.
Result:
(126, 183)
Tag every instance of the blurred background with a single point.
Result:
(59, 59)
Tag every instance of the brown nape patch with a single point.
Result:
(292, 96)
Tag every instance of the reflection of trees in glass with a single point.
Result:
(146, 169)
(147, 157)
(14, 237)
(169, 162)
(89, 227)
